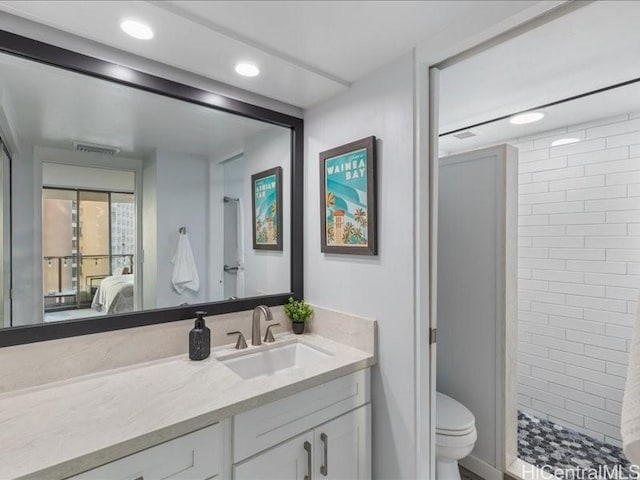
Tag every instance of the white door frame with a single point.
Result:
(428, 58)
(423, 274)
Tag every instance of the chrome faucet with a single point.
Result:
(255, 330)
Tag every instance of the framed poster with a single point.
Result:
(266, 194)
(348, 198)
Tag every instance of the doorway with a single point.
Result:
(577, 150)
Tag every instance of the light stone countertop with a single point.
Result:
(64, 428)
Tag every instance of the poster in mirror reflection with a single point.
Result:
(267, 209)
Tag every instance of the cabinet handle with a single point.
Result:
(324, 469)
(307, 447)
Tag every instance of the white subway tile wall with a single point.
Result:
(579, 272)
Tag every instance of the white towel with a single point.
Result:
(185, 273)
(631, 401)
(240, 249)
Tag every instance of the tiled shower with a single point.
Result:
(579, 273)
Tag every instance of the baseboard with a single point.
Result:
(481, 468)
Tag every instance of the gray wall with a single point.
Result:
(378, 287)
(468, 233)
(149, 228)
(26, 241)
(181, 199)
(268, 271)
(476, 292)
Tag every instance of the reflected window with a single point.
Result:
(88, 252)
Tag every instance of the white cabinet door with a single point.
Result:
(343, 447)
(293, 460)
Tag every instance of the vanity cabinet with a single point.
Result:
(320, 433)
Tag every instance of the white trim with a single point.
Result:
(425, 441)
(509, 333)
(433, 172)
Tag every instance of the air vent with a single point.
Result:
(93, 148)
(463, 135)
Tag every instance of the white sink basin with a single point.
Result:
(275, 360)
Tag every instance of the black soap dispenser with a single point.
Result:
(199, 339)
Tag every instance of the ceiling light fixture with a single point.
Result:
(136, 29)
(526, 117)
(564, 141)
(247, 70)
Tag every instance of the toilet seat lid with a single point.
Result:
(451, 416)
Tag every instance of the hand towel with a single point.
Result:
(631, 401)
(240, 249)
(185, 273)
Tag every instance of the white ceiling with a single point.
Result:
(593, 47)
(307, 50)
(565, 117)
(51, 107)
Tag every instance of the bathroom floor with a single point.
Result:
(542, 443)
(468, 475)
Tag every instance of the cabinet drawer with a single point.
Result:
(196, 456)
(270, 424)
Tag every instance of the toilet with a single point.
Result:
(455, 436)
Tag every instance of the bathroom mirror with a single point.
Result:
(126, 199)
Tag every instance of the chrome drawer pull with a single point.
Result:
(324, 469)
(307, 447)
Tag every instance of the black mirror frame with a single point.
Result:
(37, 51)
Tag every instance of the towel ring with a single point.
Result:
(182, 230)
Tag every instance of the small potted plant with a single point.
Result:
(298, 312)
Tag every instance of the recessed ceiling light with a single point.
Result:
(247, 70)
(137, 29)
(526, 117)
(564, 141)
